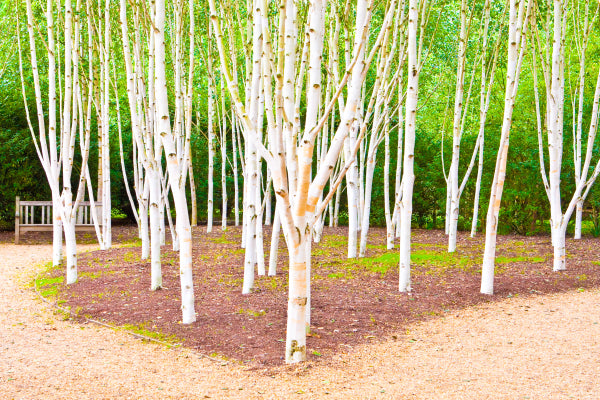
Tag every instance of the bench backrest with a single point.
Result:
(41, 213)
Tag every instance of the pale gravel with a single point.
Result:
(537, 347)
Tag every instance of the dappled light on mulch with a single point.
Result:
(354, 302)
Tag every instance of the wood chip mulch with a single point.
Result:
(354, 302)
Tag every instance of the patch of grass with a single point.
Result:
(341, 275)
(132, 243)
(50, 292)
(334, 241)
(50, 281)
(442, 262)
(376, 246)
(90, 275)
(146, 329)
(222, 240)
(518, 246)
(271, 282)
(508, 260)
(46, 270)
(319, 252)
(131, 256)
(381, 264)
(230, 280)
(430, 313)
(48, 286)
(252, 313)
(428, 245)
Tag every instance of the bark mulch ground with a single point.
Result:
(353, 301)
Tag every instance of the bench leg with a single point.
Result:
(17, 219)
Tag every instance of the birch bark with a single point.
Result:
(518, 20)
(408, 176)
(453, 177)
(175, 169)
(298, 193)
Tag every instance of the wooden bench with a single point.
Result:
(36, 216)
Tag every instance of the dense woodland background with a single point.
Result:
(524, 207)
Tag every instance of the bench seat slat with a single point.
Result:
(26, 221)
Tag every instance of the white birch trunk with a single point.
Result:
(251, 181)
(236, 190)
(224, 210)
(389, 225)
(555, 135)
(274, 243)
(57, 234)
(155, 234)
(453, 177)
(259, 242)
(408, 176)
(399, 161)
(71, 252)
(352, 193)
(211, 137)
(584, 32)
(144, 231)
(175, 170)
(296, 194)
(516, 47)
(295, 344)
(106, 193)
(578, 219)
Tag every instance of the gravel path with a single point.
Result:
(528, 348)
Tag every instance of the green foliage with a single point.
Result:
(115, 213)
(524, 203)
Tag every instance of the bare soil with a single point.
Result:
(354, 302)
